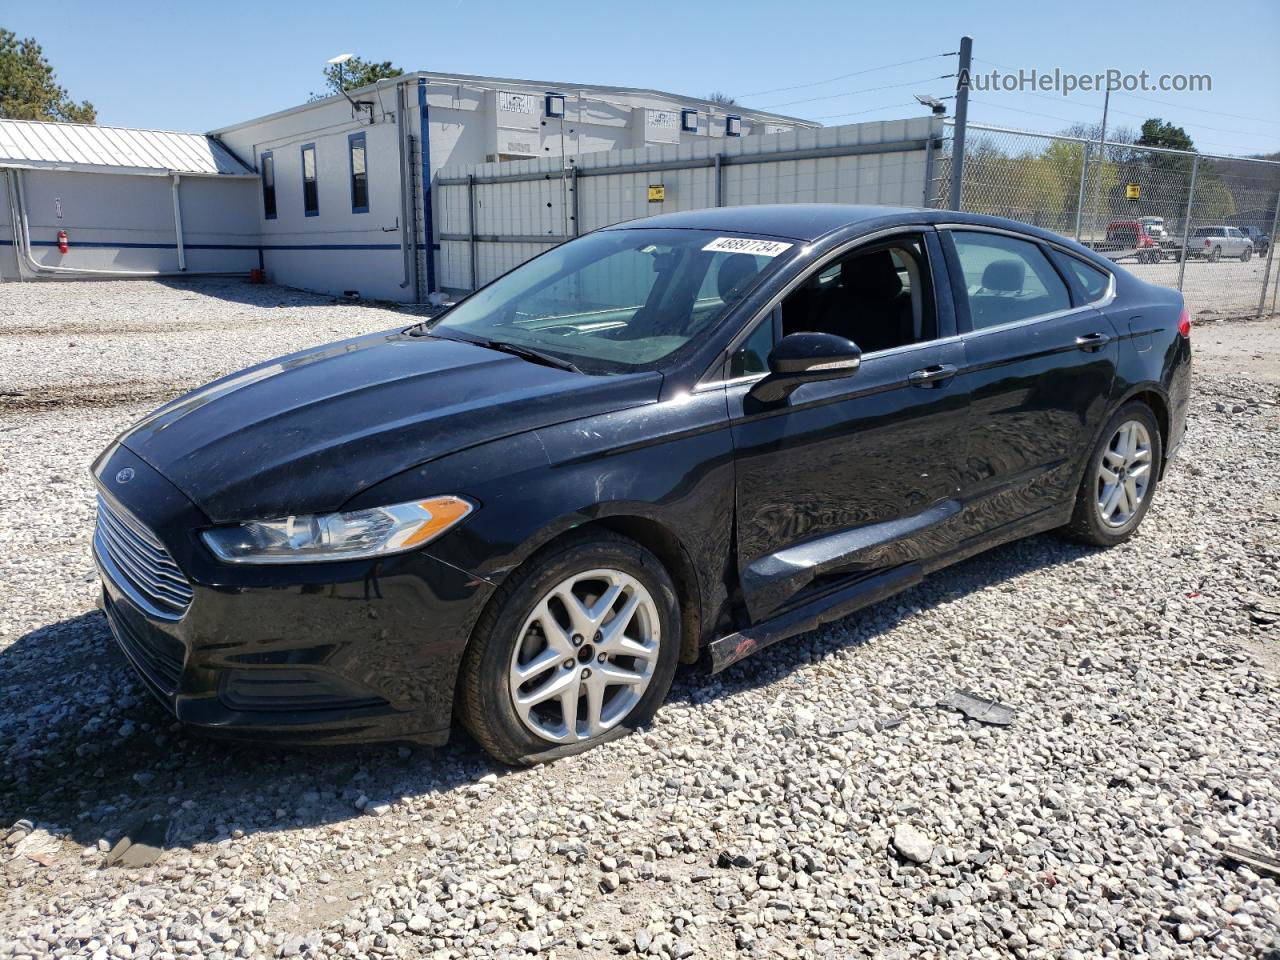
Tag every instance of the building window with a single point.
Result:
(268, 164)
(689, 121)
(359, 174)
(732, 126)
(310, 189)
(555, 105)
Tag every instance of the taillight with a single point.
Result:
(1206, 241)
(1184, 323)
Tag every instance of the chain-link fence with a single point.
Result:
(1201, 223)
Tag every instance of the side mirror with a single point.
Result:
(804, 358)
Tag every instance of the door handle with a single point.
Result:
(936, 375)
(1092, 341)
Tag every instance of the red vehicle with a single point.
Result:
(1131, 238)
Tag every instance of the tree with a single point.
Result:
(28, 88)
(354, 74)
(722, 98)
(1157, 133)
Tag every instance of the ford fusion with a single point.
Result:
(691, 436)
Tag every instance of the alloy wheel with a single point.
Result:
(585, 656)
(1124, 474)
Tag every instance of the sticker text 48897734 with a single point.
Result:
(760, 248)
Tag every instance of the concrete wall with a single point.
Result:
(123, 222)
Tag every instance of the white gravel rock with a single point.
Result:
(758, 812)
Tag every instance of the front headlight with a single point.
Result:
(338, 536)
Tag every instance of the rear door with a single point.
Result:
(852, 476)
(1039, 368)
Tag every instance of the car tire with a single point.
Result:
(1214, 255)
(511, 637)
(1091, 520)
(1246, 254)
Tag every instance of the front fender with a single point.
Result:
(668, 463)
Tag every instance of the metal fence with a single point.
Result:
(494, 216)
(1154, 210)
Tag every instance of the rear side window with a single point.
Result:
(1007, 279)
(268, 186)
(1096, 282)
(310, 189)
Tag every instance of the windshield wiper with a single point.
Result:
(515, 349)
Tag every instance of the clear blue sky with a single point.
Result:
(196, 66)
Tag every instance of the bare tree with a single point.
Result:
(722, 98)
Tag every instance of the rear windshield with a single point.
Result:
(618, 300)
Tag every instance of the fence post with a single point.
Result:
(471, 225)
(962, 120)
(718, 188)
(1186, 226)
(1084, 176)
(1271, 255)
(573, 191)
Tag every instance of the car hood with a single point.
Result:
(306, 432)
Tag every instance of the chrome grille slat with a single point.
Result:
(149, 572)
(156, 567)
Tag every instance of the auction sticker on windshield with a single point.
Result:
(761, 248)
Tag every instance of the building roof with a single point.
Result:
(37, 144)
(597, 90)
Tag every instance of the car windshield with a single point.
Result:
(617, 300)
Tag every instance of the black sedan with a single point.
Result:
(688, 436)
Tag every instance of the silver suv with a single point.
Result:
(1214, 243)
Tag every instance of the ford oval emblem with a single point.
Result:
(125, 475)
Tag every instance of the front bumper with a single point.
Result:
(313, 653)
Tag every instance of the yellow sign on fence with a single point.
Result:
(1132, 191)
(657, 193)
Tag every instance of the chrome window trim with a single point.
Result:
(1028, 238)
(776, 300)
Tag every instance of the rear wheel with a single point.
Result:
(1215, 255)
(577, 648)
(1119, 479)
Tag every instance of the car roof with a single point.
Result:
(809, 222)
(795, 221)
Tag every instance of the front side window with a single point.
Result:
(359, 174)
(618, 300)
(879, 298)
(310, 189)
(752, 356)
(268, 186)
(1007, 279)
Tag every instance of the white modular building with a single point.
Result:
(418, 185)
(83, 200)
(348, 184)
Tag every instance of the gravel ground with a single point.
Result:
(1227, 288)
(811, 801)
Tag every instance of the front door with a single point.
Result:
(850, 476)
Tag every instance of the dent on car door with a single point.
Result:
(1039, 368)
(850, 476)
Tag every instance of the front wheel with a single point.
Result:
(1248, 252)
(577, 648)
(1119, 479)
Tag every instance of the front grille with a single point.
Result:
(139, 564)
(156, 656)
